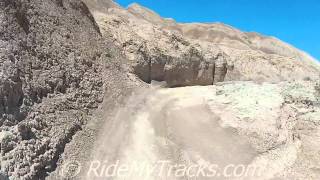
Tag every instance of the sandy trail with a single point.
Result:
(161, 128)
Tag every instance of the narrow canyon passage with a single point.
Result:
(161, 130)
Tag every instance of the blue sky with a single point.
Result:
(294, 21)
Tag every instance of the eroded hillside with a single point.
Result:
(160, 48)
(67, 69)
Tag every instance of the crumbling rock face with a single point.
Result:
(50, 81)
(189, 69)
(158, 54)
(248, 56)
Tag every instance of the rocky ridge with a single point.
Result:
(157, 47)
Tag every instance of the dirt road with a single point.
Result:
(161, 130)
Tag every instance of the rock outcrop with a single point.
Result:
(158, 54)
(52, 64)
(153, 43)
